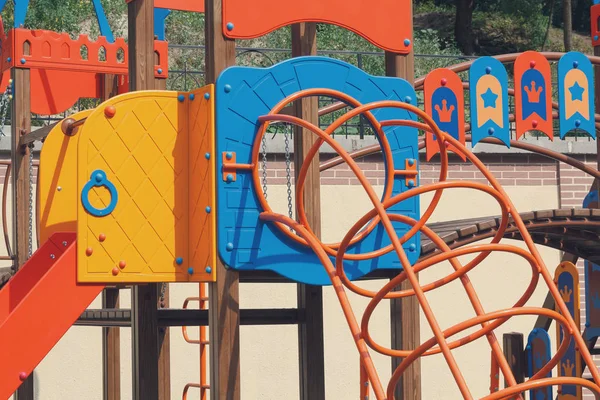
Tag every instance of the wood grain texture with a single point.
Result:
(224, 307)
(21, 117)
(144, 314)
(405, 318)
(311, 348)
(111, 350)
(514, 351)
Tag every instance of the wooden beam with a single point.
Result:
(111, 336)
(405, 318)
(144, 332)
(514, 351)
(311, 349)
(111, 350)
(20, 125)
(224, 307)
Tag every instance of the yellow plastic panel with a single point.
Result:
(202, 190)
(142, 142)
(57, 181)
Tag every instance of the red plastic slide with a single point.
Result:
(37, 307)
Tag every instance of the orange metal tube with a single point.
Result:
(438, 343)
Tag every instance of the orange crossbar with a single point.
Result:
(24, 48)
(29, 327)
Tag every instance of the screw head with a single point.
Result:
(179, 260)
(229, 246)
(115, 271)
(208, 270)
(230, 26)
(208, 210)
(534, 123)
(23, 61)
(22, 376)
(110, 111)
(229, 178)
(122, 264)
(207, 96)
(227, 88)
(444, 82)
(207, 156)
(411, 183)
(9, 60)
(532, 64)
(181, 98)
(102, 237)
(159, 70)
(190, 270)
(578, 123)
(408, 99)
(229, 155)
(192, 96)
(64, 243)
(52, 256)
(407, 42)
(575, 64)
(491, 131)
(59, 188)
(411, 162)
(98, 177)
(488, 70)
(89, 251)
(412, 247)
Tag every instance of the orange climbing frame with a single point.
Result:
(488, 321)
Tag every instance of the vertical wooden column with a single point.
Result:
(405, 312)
(111, 337)
(311, 349)
(144, 299)
(224, 308)
(20, 125)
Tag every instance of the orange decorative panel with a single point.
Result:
(385, 23)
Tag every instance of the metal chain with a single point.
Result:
(264, 166)
(288, 172)
(30, 200)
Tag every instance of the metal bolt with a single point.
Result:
(23, 61)
(229, 246)
(230, 26)
(208, 210)
(181, 98)
(208, 270)
(207, 96)
(190, 270)
(52, 256)
(229, 155)
(229, 178)
(179, 260)
(59, 188)
(65, 243)
(227, 88)
(207, 156)
(407, 42)
(488, 70)
(192, 96)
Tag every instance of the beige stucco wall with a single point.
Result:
(269, 354)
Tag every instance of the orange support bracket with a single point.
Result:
(28, 327)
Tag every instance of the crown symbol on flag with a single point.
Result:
(444, 113)
(533, 94)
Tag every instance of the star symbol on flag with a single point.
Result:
(577, 92)
(489, 99)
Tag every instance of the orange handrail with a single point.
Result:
(202, 341)
(489, 321)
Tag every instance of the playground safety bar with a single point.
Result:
(190, 317)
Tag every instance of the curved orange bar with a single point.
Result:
(489, 321)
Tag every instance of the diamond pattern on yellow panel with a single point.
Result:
(147, 151)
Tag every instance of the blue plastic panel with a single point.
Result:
(243, 94)
(489, 100)
(576, 94)
(538, 353)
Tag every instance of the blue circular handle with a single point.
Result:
(97, 179)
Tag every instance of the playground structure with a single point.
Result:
(157, 186)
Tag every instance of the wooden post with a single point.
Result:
(144, 315)
(514, 351)
(311, 349)
(111, 350)
(405, 317)
(20, 125)
(224, 308)
(111, 337)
